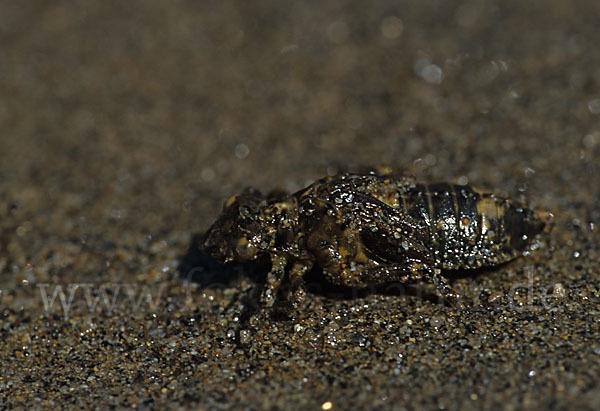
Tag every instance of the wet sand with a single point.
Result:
(126, 125)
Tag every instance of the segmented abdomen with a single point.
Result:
(469, 229)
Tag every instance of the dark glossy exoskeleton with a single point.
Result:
(365, 229)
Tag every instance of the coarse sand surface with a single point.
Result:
(125, 125)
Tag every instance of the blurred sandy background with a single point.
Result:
(125, 125)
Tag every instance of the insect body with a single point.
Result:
(364, 229)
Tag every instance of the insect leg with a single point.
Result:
(274, 278)
(445, 289)
(397, 241)
(410, 272)
(298, 289)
